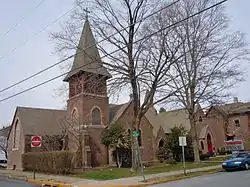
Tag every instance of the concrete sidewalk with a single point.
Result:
(84, 182)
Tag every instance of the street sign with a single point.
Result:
(135, 134)
(36, 141)
(182, 141)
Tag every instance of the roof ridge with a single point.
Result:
(38, 108)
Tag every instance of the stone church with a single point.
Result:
(88, 106)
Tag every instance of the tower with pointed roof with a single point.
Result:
(88, 100)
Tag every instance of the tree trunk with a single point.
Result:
(135, 155)
(194, 140)
(135, 148)
(118, 159)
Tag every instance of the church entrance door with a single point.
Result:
(209, 144)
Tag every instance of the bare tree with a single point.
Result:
(3, 140)
(210, 66)
(76, 137)
(133, 66)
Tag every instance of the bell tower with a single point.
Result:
(88, 98)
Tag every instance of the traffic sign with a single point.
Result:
(36, 141)
(182, 141)
(135, 134)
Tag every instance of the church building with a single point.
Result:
(88, 110)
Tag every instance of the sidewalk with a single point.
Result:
(78, 182)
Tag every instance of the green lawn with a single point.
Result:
(114, 173)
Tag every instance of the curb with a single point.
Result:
(57, 184)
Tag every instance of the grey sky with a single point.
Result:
(37, 53)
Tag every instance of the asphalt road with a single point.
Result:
(223, 179)
(5, 182)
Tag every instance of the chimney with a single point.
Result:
(236, 100)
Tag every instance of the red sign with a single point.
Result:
(235, 142)
(234, 145)
(36, 141)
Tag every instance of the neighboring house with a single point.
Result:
(215, 125)
(230, 121)
(179, 117)
(88, 105)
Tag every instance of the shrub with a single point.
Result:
(58, 162)
(164, 154)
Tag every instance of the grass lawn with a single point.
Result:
(115, 173)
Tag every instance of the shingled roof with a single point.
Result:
(38, 121)
(174, 118)
(116, 111)
(235, 108)
(87, 58)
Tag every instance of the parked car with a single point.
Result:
(239, 160)
(3, 163)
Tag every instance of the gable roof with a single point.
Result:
(152, 116)
(120, 109)
(116, 112)
(174, 118)
(233, 108)
(87, 58)
(38, 121)
(113, 110)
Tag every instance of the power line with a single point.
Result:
(40, 31)
(22, 18)
(148, 36)
(71, 56)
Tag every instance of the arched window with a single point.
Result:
(74, 116)
(129, 132)
(140, 138)
(96, 116)
(202, 145)
(161, 143)
(17, 135)
(200, 119)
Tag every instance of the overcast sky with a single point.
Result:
(19, 60)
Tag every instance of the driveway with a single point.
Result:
(5, 182)
(223, 179)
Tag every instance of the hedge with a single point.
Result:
(56, 162)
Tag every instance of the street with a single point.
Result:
(5, 182)
(223, 179)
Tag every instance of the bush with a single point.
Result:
(163, 154)
(57, 162)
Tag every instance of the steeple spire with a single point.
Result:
(87, 12)
(87, 58)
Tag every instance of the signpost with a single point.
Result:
(36, 141)
(183, 143)
(138, 156)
